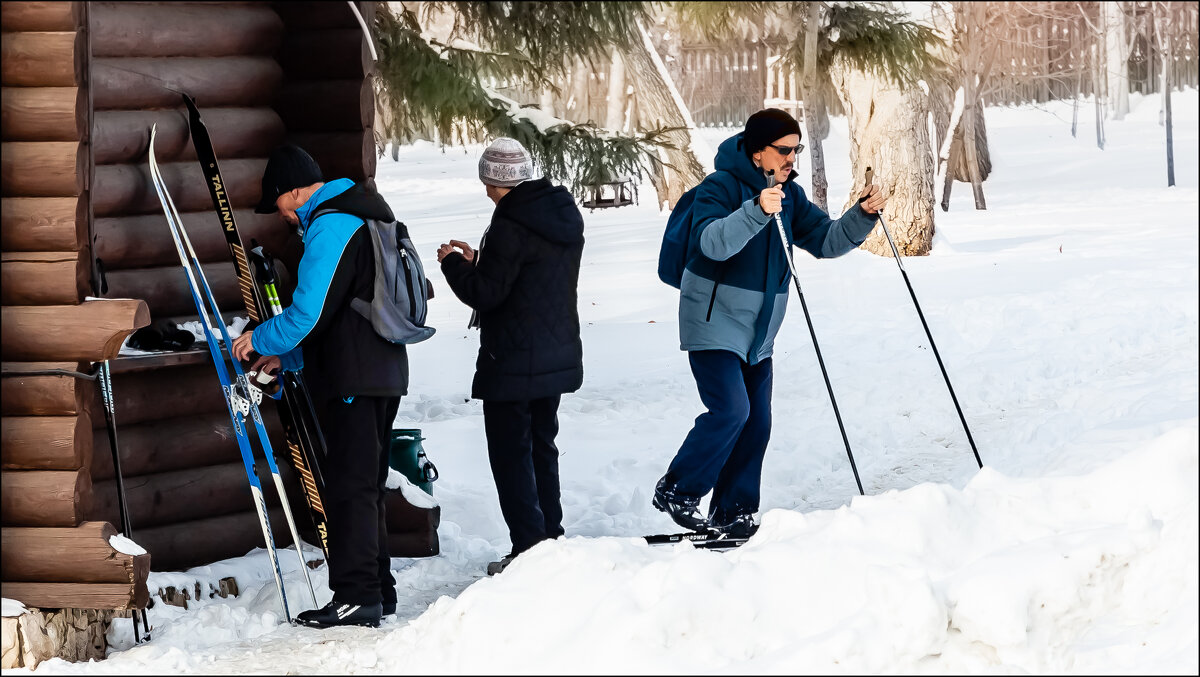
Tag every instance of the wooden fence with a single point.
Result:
(1053, 59)
(723, 86)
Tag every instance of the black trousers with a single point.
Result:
(524, 460)
(357, 437)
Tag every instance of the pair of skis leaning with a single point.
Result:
(306, 445)
(241, 399)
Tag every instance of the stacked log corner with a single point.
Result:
(51, 556)
(184, 480)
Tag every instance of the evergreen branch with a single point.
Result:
(550, 33)
(431, 91)
(876, 38)
(716, 22)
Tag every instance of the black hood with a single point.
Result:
(545, 209)
(361, 201)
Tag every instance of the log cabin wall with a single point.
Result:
(185, 483)
(47, 447)
(261, 74)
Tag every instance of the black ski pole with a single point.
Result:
(787, 250)
(110, 422)
(896, 255)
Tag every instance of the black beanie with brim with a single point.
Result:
(764, 127)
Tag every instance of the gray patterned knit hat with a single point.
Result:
(505, 163)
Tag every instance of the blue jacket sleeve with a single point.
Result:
(721, 225)
(323, 251)
(823, 237)
(292, 360)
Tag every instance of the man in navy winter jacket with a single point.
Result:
(732, 300)
(355, 376)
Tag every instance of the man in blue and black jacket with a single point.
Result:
(732, 299)
(355, 376)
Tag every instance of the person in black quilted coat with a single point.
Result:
(521, 283)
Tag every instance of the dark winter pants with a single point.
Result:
(724, 451)
(520, 439)
(357, 436)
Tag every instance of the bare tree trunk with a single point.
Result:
(576, 106)
(1078, 92)
(814, 108)
(1096, 87)
(1118, 58)
(1164, 42)
(659, 105)
(888, 133)
(951, 147)
(614, 117)
(968, 141)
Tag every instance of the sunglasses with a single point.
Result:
(788, 150)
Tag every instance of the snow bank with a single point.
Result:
(1024, 574)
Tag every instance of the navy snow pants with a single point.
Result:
(724, 451)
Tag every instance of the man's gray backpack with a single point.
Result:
(398, 310)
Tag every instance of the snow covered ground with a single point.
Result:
(1066, 315)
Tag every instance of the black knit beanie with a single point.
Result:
(764, 127)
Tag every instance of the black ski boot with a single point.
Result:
(335, 613)
(684, 510)
(741, 526)
(494, 568)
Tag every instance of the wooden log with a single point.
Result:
(45, 498)
(138, 83)
(144, 241)
(43, 169)
(41, 16)
(325, 54)
(44, 114)
(39, 224)
(161, 394)
(42, 395)
(122, 29)
(78, 595)
(79, 554)
(25, 368)
(91, 331)
(43, 58)
(178, 443)
(327, 105)
(305, 16)
(178, 495)
(187, 544)
(44, 278)
(340, 154)
(124, 136)
(46, 442)
(123, 190)
(165, 289)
